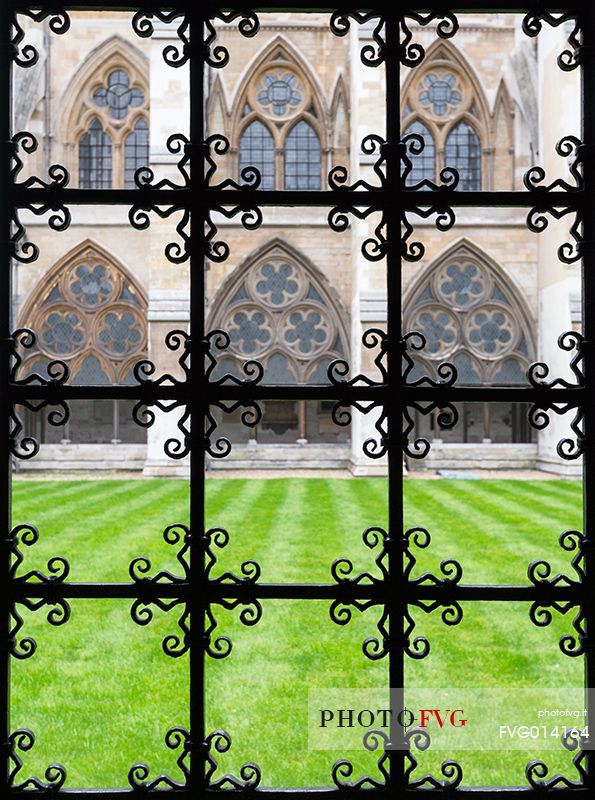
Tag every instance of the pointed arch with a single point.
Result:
(278, 89)
(87, 306)
(472, 315)
(340, 116)
(502, 137)
(88, 96)
(279, 308)
(278, 50)
(340, 130)
(446, 96)
(444, 54)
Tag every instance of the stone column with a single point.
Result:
(559, 116)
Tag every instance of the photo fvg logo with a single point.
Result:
(382, 718)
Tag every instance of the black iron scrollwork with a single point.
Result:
(568, 252)
(22, 249)
(55, 775)
(540, 613)
(412, 53)
(570, 148)
(138, 776)
(173, 55)
(446, 414)
(216, 742)
(342, 571)
(445, 219)
(537, 772)
(533, 23)
(568, 341)
(341, 413)
(27, 55)
(451, 770)
(25, 447)
(59, 609)
(176, 645)
(218, 56)
(372, 55)
(568, 449)
(343, 770)
(250, 775)
(28, 535)
(414, 144)
(144, 177)
(27, 143)
(219, 145)
(215, 56)
(371, 145)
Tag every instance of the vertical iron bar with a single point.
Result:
(587, 68)
(396, 607)
(197, 393)
(5, 324)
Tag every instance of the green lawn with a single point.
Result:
(100, 694)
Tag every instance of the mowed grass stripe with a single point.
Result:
(465, 531)
(473, 532)
(537, 504)
(127, 516)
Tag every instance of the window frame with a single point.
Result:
(392, 395)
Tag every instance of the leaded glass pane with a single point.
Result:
(467, 372)
(279, 90)
(136, 152)
(257, 149)
(90, 373)
(302, 158)
(62, 332)
(277, 370)
(440, 93)
(120, 333)
(95, 158)
(92, 285)
(510, 373)
(463, 153)
(423, 167)
(118, 96)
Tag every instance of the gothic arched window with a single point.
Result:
(278, 124)
(278, 311)
(471, 316)
(446, 108)
(113, 128)
(90, 313)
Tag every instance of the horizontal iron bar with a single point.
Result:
(209, 7)
(321, 793)
(408, 200)
(537, 395)
(379, 592)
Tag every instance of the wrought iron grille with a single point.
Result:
(194, 593)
